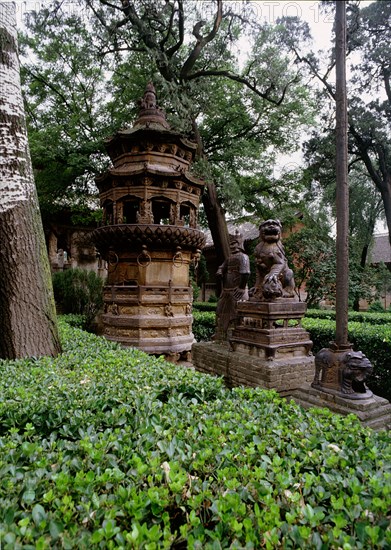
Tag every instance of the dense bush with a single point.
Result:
(204, 325)
(79, 291)
(108, 448)
(373, 318)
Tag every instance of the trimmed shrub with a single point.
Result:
(79, 291)
(104, 447)
(204, 325)
(204, 306)
(373, 318)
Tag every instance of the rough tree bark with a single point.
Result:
(28, 326)
(342, 275)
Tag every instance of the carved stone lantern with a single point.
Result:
(149, 236)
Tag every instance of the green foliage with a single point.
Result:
(110, 448)
(376, 306)
(312, 254)
(79, 291)
(210, 305)
(204, 324)
(75, 320)
(80, 91)
(372, 318)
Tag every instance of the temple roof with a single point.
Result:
(381, 250)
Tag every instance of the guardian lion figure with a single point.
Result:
(274, 279)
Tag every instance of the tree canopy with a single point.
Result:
(369, 101)
(242, 109)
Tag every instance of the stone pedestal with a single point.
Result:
(239, 368)
(264, 329)
(374, 412)
(264, 350)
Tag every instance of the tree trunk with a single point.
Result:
(213, 210)
(342, 275)
(28, 325)
(216, 222)
(386, 196)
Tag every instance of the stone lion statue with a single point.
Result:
(274, 279)
(346, 372)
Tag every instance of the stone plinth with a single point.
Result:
(242, 368)
(155, 318)
(263, 349)
(374, 412)
(263, 330)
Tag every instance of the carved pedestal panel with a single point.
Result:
(264, 329)
(154, 318)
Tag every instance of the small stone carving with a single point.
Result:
(344, 372)
(149, 99)
(233, 275)
(168, 310)
(274, 279)
(113, 309)
(357, 370)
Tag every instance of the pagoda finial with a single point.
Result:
(149, 99)
(149, 111)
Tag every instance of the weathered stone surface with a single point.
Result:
(241, 369)
(262, 329)
(374, 412)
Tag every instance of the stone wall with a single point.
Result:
(239, 369)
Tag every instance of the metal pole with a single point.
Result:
(342, 198)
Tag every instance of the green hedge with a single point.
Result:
(204, 306)
(358, 316)
(204, 325)
(109, 448)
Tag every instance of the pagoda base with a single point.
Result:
(374, 412)
(155, 319)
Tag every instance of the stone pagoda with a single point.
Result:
(149, 235)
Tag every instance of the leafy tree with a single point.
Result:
(312, 254)
(240, 115)
(28, 325)
(369, 112)
(65, 98)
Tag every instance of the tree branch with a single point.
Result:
(201, 41)
(237, 78)
(363, 150)
(181, 24)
